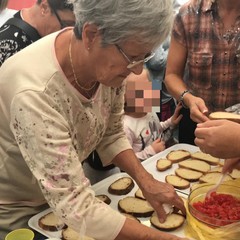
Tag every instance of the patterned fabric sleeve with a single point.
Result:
(114, 140)
(12, 40)
(45, 142)
(178, 31)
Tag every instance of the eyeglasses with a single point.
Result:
(133, 64)
(63, 24)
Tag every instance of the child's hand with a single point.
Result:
(176, 118)
(158, 145)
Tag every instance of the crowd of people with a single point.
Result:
(66, 73)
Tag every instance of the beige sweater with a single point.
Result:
(47, 130)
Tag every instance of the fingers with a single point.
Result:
(230, 164)
(161, 213)
(178, 203)
(201, 133)
(210, 123)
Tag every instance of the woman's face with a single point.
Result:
(111, 62)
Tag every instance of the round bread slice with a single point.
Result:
(139, 194)
(188, 174)
(213, 177)
(205, 157)
(104, 198)
(195, 164)
(216, 169)
(235, 173)
(178, 155)
(70, 234)
(163, 164)
(50, 222)
(177, 182)
(172, 222)
(135, 206)
(121, 186)
(225, 115)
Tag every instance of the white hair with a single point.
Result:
(147, 21)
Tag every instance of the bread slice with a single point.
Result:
(205, 157)
(172, 222)
(178, 155)
(188, 174)
(121, 186)
(163, 164)
(216, 169)
(50, 222)
(177, 182)
(70, 234)
(104, 198)
(135, 206)
(139, 194)
(235, 173)
(213, 177)
(195, 164)
(225, 115)
(131, 217)
(195, 185)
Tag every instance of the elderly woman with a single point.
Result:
(61, 98)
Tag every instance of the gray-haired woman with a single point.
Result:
(61, 98)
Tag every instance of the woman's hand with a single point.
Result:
(157, 193)
(220, 138)
(198, 109)
(231, 164)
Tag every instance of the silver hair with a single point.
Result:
(147, 21)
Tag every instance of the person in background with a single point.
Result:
(61, 98)
(43, 18)
(205, 46)
(5, 13)
(220, 138)
(157, 67)
(145, 132)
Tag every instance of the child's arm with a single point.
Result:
(176, 117)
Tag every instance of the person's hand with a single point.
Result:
(197, 107)
(158, 145)
(157, 193)
(231, 164)
(176, 118)
(220, 138)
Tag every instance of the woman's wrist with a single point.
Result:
(181, 99)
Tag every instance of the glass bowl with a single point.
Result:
(212, 215)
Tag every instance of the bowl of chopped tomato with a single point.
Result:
(220, 209)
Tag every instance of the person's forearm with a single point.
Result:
(175, 85)
(128, 162)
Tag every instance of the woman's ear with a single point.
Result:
(89, 34)
(44, 7)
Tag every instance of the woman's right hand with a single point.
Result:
(230, 164)
(198, 109)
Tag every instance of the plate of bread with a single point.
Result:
(181, 165)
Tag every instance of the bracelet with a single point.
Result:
(182, 96)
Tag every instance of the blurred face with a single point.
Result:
(111, 66)
(141, 95)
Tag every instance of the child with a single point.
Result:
(141, 123)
